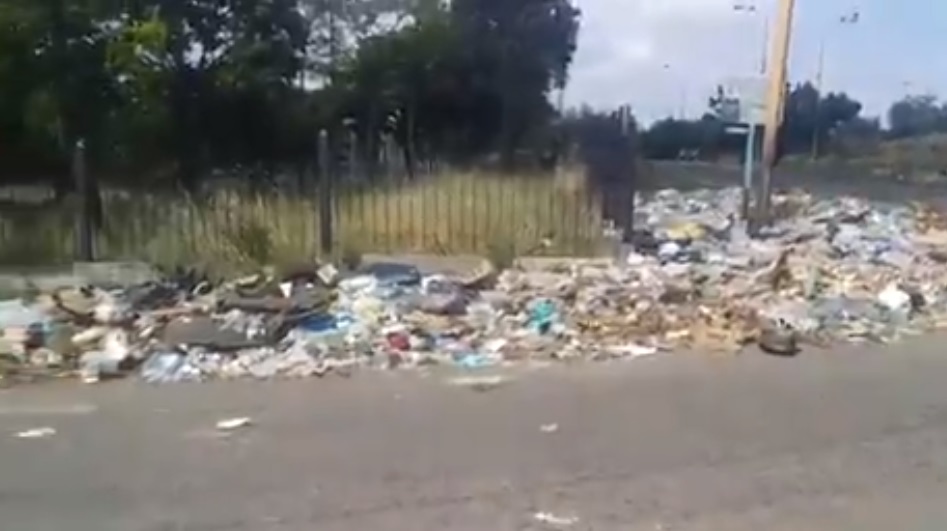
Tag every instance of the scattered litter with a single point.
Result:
(480, 383)
(474, 360)
(894, 298)
(633, 350)
(37, 433)
(779, 340)
(549, 428)
(554, 520)
(835, 270)
(234, 423)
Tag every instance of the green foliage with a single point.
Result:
(37, 237)
(809, 117)
(177, 89)
(917, 115)
(252, 242)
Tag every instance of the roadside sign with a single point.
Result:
(729, 110)
(737, 129)
(748, 95)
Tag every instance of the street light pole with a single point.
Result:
(850, 19)
(751, 9)
(763, 45)
(678, 110)
(682, 110)
(751, 121)
(818, 102)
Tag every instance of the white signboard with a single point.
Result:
(745, 99)
(729, 110)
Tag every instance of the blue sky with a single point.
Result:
(665, 56)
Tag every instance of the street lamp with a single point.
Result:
(682, 91)
(750, 9)
(849, 19)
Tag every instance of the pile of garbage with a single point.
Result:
(824, 271)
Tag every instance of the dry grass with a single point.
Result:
(457, 213)
(918, 158)
(913, 155)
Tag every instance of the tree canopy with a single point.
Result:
(917, 115)
(172, 89)
(810, 119)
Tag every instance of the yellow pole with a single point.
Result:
(775, 99)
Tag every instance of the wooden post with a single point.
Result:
(774, 104)
(353, 158)
(326, 191)
(85, 239)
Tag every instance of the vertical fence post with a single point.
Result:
(85, 247)
(391, 154)
(353, 158)
(325, 193)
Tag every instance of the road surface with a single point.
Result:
(823, 180)
(854, 439)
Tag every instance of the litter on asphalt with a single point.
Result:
(554, 520)
(234, 423)
(36, 433)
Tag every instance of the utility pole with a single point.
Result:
(775, 98)
(816, 126)
(682, 106)
(849, 19)
(750, 8)
(763, 58)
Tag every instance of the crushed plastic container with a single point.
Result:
(163, 367)
(543, 315)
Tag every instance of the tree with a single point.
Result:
(337, 28)
(521, 49)
(186, 88)
(915, 116)
(460, 81)
(607, 145)
(54, 82)
(810, 117)
(857, 136)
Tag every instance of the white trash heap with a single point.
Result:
(825, 271)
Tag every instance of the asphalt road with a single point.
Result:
(846, 440)
(825, 180)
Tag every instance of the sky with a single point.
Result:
(665, 57)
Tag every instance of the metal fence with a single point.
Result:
(342, 210)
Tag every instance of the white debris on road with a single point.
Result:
(234, 423)
(555, 520)
(36, 433)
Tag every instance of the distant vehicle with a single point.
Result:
(688, 154)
